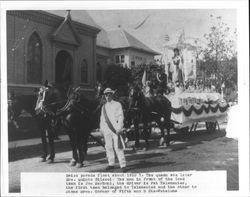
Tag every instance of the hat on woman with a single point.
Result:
(109, 90)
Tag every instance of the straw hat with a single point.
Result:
(109, 90)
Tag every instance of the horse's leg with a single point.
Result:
(85, 144)
(147, 132)
(137, 134)
(57, 126)
(161, 127)
(165, 126)
(80, 138)
(73, 146)
(168, 126)
(44, 145)
(51, 144)
(138, 129)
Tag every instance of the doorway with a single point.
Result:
(64, 67)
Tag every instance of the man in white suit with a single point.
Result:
(111, 125)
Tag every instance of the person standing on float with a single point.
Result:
(177, 61)
(111, 125)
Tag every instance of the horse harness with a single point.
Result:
(72, 104)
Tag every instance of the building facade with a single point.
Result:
(65, 47)
(50, 45)
(121, 48)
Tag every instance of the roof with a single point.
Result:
(120, 38)
(114, 39)
(102, 39)
(80, 16)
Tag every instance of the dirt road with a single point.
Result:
(200, 151)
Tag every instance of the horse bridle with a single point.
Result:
(70, 101)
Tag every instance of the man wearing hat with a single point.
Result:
(111, 125)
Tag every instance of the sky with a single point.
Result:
(171, 22)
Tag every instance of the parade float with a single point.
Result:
(190, 108)
(195, 105)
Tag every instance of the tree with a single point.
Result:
(220, 52)
(151, 70)
(117, 78)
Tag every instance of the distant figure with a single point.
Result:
(99, 89)
(178, 88)
(162, 83)
(177, 61)
(147, 89)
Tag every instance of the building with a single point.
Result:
(57, 46)
(121, 48)
(65, 47)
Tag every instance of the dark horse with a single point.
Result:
(46, 120)
(75, 113)
(17, 104)
(149, 109)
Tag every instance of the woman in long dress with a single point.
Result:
(177, 61)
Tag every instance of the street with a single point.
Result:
(200, 151)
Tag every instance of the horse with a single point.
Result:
(149, 109)
(75, 113)
(46, 120)
(18, 104)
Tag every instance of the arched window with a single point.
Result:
(84, 71)
(34, 60)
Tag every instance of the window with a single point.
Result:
(119, 59)
(138, 58)
(34, 60)
(84, 71)
(122, 58)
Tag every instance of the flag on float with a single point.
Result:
(181, 38)
(166, 37)
(144, 78)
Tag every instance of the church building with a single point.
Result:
(58, 46)
(67, 48)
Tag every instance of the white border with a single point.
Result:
(243, 65)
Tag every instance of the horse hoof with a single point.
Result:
(72, 162)
(79, 165)
(50, 161)
(161, 142)
(136, 148)
(145, 149)
(42, 159)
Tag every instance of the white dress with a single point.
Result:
(176, 70)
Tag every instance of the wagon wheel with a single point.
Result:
(211, 126)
